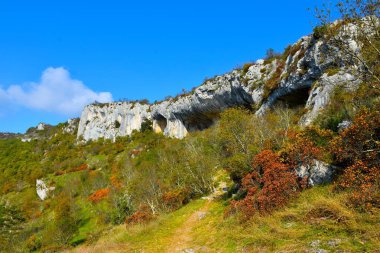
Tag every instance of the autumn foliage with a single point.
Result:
(115, 182)
(99, 195)
(359, 142)
(300, 150)
(79, 168)
(75, 169)
(357, 148)
(270, 185)
(140, 216)
(174, 199)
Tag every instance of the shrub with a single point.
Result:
(269, 186)
(115, 182)
(79, 168)
(174, 199)
(99, 195)
(140, 216)
(246, 68)
(236, 137)
(339, 108)
(146, 125)
(122, 208)
(33, 243)
(332, 71)
(274, 80)
(66, 220)
(11, 223)
(360, 141)
(358, 149)
(271, 54)
(364, 183)
(320, 31)
(291, 50)
(300, 149)
(59, 173)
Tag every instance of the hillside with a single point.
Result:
(317, 222)
(281, 155)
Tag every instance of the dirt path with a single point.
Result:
(181, 240)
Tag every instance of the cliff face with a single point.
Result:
(111, 120)
(305, 75)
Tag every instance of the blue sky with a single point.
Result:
(56, 56)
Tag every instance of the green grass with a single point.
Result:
(151, 237)
(318, 215)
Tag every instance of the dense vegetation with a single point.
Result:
(150, 179)
(136, 179)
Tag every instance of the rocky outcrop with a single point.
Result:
(111, 120)
(306, 75)
(71, 126)
(316, 173)
(344, 125)
(41, 126)
(199, 109)
(42, 189)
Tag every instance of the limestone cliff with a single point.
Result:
(111, 120)
(305, 75)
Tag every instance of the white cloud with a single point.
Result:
(56, 92)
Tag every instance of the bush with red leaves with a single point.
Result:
(300, 148)
(364, 182)
(270, 185)
(99, 195)
(174, 199)
(79, 168)
(358, 149)
(360, 141)
(140, 216)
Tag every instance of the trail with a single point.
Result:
(182, 239)
(179, 239)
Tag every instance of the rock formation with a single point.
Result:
(305, 75)
(42, 189)
(317, 172)
(111, 120)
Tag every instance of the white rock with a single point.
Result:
(111, 120)
(176, 117)
(41, 126)
(72, 124)
(317, 173)
(42, 189)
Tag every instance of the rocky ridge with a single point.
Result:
(305, 75)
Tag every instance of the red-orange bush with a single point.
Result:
(115, 182)
(357, 148)
(79, 168)
(300, 149)
(59, 173)
(99, 195)
(364, 182)
(360, 141)
(174, 199)
(142, 215)
(270, 185)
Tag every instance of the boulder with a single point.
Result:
(42, 189)
(317, 172)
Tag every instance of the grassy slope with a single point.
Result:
(319, 219)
